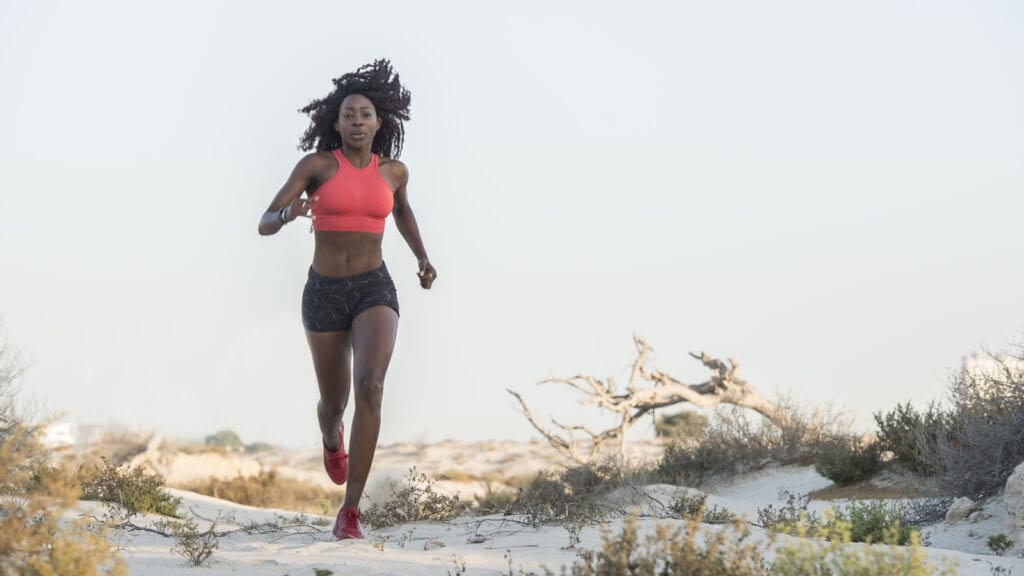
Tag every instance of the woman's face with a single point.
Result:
(357, 121)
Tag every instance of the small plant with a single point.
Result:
(845, 461)
(696, 507)
(999, 543)
(194, 545)
(789, 516)
(460, 565)
(412, 501)
(133, 490)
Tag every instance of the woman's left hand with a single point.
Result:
(427, 273)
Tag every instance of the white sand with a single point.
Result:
(483, 544)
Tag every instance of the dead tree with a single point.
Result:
(724, 387)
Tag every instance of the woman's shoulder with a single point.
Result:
(317, 161)
(395, 167)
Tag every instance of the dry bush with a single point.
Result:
(571, 496)
(984, 440)
(271, 490)
(925, 511)
(787, 517)
(738, 440)
(34, 497)
(414, 500)
(495, 500)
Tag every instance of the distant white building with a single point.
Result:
(984, 366)
(61, 434)
(58, 435)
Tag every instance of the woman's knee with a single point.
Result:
(330, 407)
(370, 390)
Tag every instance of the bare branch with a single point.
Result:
(661, 390)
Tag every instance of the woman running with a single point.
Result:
(349, 305)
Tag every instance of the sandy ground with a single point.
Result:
(278, 542)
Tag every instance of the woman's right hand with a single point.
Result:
(299, 207)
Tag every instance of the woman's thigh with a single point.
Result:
(373, 340)
(332, 356)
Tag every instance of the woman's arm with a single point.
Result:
(287, 204)
(405, 220)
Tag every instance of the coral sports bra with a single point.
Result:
(354, 199)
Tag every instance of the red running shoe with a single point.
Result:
(347, 525)
(336, 463)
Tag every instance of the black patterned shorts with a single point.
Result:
(330, 304)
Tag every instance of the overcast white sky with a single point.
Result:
(829, 191)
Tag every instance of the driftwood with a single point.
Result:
(648, 389)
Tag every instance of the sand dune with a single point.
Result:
(280, 542)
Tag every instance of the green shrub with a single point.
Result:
(414, 500)
(133, 490)
(822, 549)
(681, 425)
(845, 461)
(913, 436)
(674, 552)
(870, 521)
(999, 543)
(257, 447)
(825, 550)
(226, 440)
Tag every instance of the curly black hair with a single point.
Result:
(380, 84)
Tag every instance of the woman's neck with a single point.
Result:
(358, 157)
